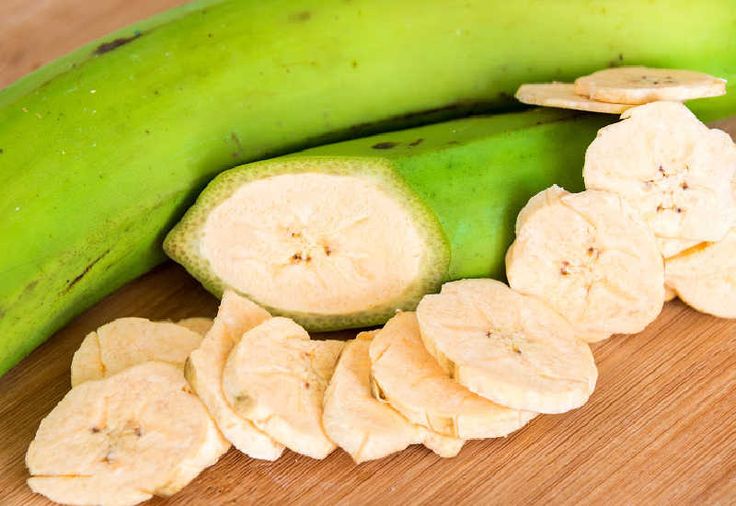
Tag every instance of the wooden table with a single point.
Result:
(660, 428)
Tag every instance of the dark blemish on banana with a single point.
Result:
(239, 152)
(354, 64)
(106, 47)
(416, 142)
(71, 283)
(300, 17)
(385, 145)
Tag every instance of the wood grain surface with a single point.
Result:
(660, 428)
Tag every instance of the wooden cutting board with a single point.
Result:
(660, 428)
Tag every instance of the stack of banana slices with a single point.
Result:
(155, 403)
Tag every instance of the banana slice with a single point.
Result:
(704, 277)
(591, 258)
(359, 424)
(197, 324)
(129, 341)
(204, 369)
(640, 85)
(276, 377)
(507, 347)
(123, 439)
(406, 376)
(671, 168)
(563, 96)
(363, 426)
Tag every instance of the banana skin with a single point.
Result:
(102, 150)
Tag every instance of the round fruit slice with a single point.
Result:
(363, 426)
(704, 277)
(204, 367)
(123, 439)
(126, 342)
(406, 376)
(507, 347)
(197, 324)
(359, 424)
(640, 85)
(671, 168)
(563, 96)
(276, 377)
(350, 234)
(591, 258)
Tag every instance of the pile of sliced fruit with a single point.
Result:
(155, 403)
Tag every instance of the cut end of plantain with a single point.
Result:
(123, 439)
(641, 85)
(415, 385)
(331, 243)
(563, 96)
(507, 347)
(126, 342)
(276, 377)
(590, 257)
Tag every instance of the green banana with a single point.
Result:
(101, 151)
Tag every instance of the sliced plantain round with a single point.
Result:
(123, 439)
(364, 426)
(641, 85)
(406, 376)
(704, 277)
(276, 376)
(591, 258)
(671, 168)
(507, 347)
(204, 367)
(129, 341)
(563, 96)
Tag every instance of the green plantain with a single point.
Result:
(101, 151)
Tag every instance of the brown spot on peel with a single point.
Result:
(106, 47)
(385, 145)
(70, 284)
